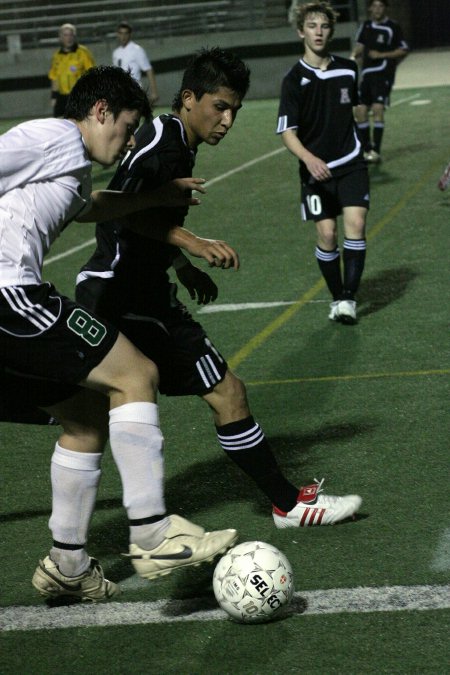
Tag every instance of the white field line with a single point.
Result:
(246, 165)
(305, 603)
(236, 307)
(407, 99)
(69, 251)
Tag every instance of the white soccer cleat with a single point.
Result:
(185, 544)
(334, 315)
(444, 180)
(314, 508)
(91, 585)
(343, 311)
(372, 157)
(346, 311)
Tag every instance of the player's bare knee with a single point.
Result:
(355, 229)
(234, 395)
(83, 438)
(326, 234)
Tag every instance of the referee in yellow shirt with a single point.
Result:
(68, 64)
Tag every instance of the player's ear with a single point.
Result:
(101, 110)
(187, 98)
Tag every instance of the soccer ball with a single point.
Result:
(253, 581)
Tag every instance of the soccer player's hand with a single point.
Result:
(217, 253)
(178, 192)
(198, 283)
(317, 168)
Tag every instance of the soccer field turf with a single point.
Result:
(364, 406)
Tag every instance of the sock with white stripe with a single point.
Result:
(75, 477)
(330, 266)
(137, 449)
(354, 259)
(245, 444)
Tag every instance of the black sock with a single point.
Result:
(364, 136)
(354, 258)
(378, 129)
(245, 444)
(330, 266)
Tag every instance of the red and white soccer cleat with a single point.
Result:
(314, 508)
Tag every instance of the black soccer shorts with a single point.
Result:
(49, 340)
(187, 361)
(326, 199)
(375, 88)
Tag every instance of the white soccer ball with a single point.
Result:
(253, 581)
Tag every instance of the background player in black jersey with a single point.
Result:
(316, 123)
(380, 46)
(126, 280)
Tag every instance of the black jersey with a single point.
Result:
(128, 272)
(319, 105)
(385, 36)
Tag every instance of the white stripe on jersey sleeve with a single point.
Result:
(283, 124)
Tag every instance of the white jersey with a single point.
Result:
(132, 58)
(45, 182)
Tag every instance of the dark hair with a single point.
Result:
(299, 12)
(383, 2)
(109, 83)
(210, 69)
(126, 25)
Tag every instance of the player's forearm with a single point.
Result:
(152, 82)
(182, 238)
(169, 233)
(357, 52)
(294, 145)
(109, 204)
(394, 54)
(113, 204)
(399, 54)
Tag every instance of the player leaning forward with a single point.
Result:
(66, 358)
(317, 125)
(126, 280)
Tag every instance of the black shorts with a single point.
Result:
(375, 88)
(22, 397)
(48, 343)
(187, 361)
(322, 200)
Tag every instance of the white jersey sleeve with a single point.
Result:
(45, 182)
(40, 150)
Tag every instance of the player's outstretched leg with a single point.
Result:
(315, 508)
(184, 544)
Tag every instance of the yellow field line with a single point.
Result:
(361, 376)
(266, 332)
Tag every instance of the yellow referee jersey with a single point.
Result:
(67, 67)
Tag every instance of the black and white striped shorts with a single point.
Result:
(45, 335)
(187, 360)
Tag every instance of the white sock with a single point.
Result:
(137, 445)
(75, 477)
